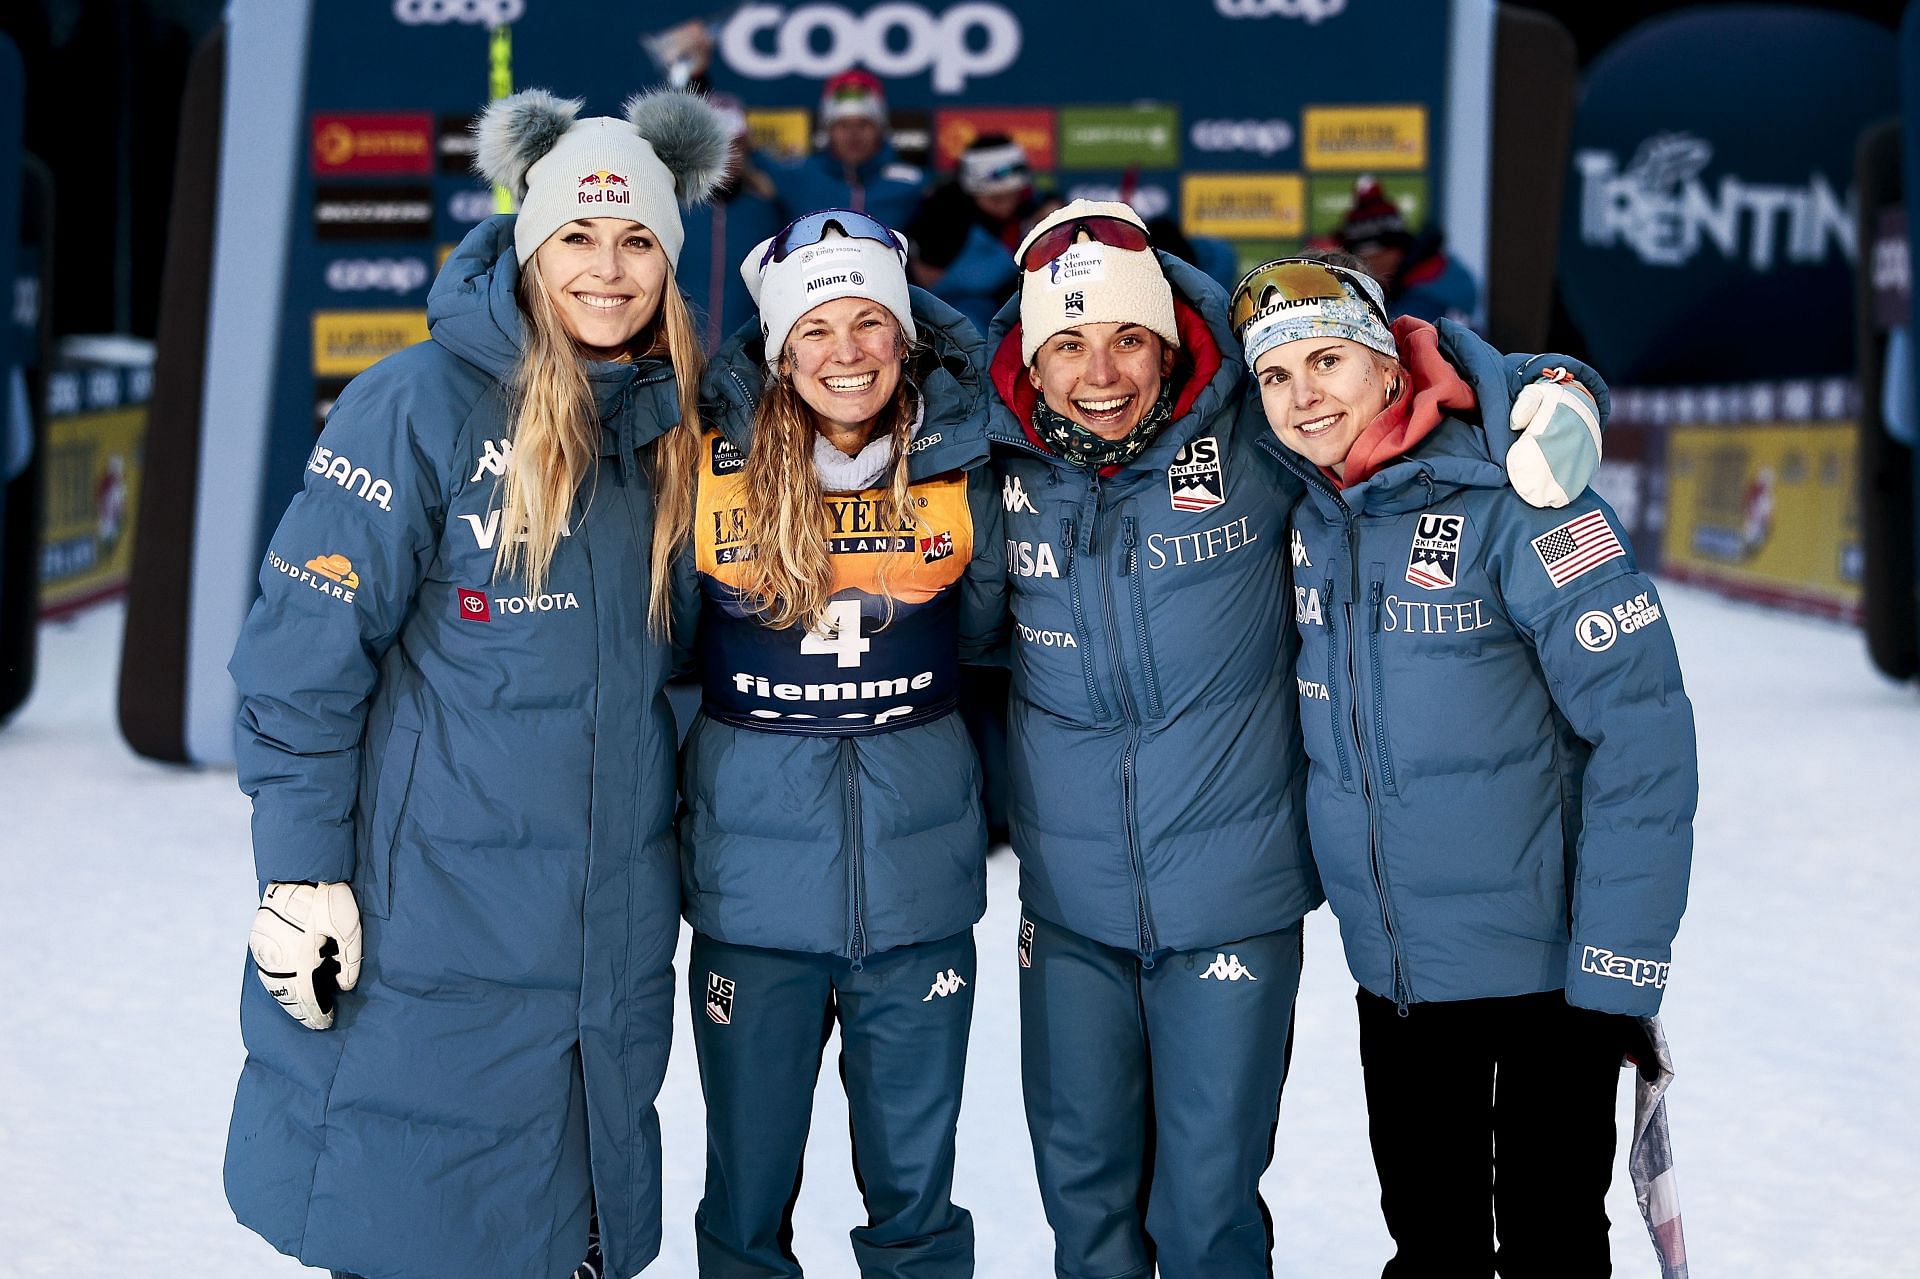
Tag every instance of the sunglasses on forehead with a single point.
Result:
(1296, 280)
(1101, 228)
(806, 231)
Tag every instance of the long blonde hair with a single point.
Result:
(787, 570)
(556, 439)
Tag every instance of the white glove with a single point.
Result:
(306, 943)
(1554, 459)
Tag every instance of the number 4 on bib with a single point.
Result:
(838, 634)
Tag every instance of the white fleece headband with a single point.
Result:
(1294, 298)
(838, 266)
(1093, 283)
(600, 168)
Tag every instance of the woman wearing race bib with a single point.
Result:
(832, 841)
(1501, 782)
(460, 759)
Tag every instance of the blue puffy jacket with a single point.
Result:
(493, 774)
(1153, 742)
(1503, 775)
(980, 278)
(846, 844)
(883, 186)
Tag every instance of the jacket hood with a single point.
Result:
(1457, 454)
(952, 378)
(1206, 340)
(473, 310)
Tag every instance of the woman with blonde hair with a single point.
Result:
(842, 561)
(460, 759)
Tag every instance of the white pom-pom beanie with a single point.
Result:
(1093, 283)
(839, 266)
(600, 168)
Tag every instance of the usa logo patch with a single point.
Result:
(1433, 562)
(1026, 943)
(1195, 481)
(720, 999)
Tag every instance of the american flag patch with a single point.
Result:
(1576, 546)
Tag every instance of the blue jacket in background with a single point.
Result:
(1153, 740)
(718, 235)
(492, 772)
(980, 279)
(1503, 770)
(849, 845)
(882, 187)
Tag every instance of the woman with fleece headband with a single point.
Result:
(1501, 776)
(844, 557)
(1156, 765)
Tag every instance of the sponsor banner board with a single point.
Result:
(1243, 205)
(346, 342)
(1364, 138)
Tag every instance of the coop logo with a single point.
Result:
(604, 187)
(1659, 207)
(769, 42)
(1309, 11)
(357, 480)
(376, 275)
(1261, 137)
(435, 13)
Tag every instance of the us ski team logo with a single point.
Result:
(1026, 943)
(1194, 481)
(1435, 558)
(720, 999)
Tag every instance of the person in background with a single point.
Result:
(461, 764)
(964, 235)
(856, 167)
(719, 233)
(1420, 278)
(1210, 253)
(1501, 780)
(844, 560)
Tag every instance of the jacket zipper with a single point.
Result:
(856, 870)
(1143, 912)
(1098, 702)
(1374, 593)
(1140, 634)
(1333, 682)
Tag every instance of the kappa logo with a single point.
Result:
(1227, 967)
(1300, 559)
(944, 984)
(1013, 496)
(1433, 563)
(1640, 972)
(1026, 942)
(493, 460)
(719, 999)
(1195, 481)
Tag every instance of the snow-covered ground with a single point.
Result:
(127, 897)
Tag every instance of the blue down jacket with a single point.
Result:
(847, 844)
(493, 774)
(1503, 775)
(884, 186)
(1154, 749)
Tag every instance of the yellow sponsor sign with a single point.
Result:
(1767, 512)
(92, 497)
(1244, 205)
(346, 342)
(787, 134)
(1364, 137)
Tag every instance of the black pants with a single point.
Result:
(1492, 1112)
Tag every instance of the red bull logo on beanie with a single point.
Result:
(603, 187)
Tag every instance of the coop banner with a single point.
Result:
(1709, 230)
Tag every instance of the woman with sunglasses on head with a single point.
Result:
(843, 559)
(1154, 750)
(1502, 776)
(460, 759)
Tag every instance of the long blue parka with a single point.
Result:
(850, 845)
(1154, 748)
(492, 772)
(1503, 773)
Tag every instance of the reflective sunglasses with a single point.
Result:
(1102, 228)
(1297, 280)
(807, 231)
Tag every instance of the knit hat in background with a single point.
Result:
(994, 165)
(838, 266)
(1374, 221)
(853, 94)
(1092, 283)
(1293, 298)
(670, 150)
